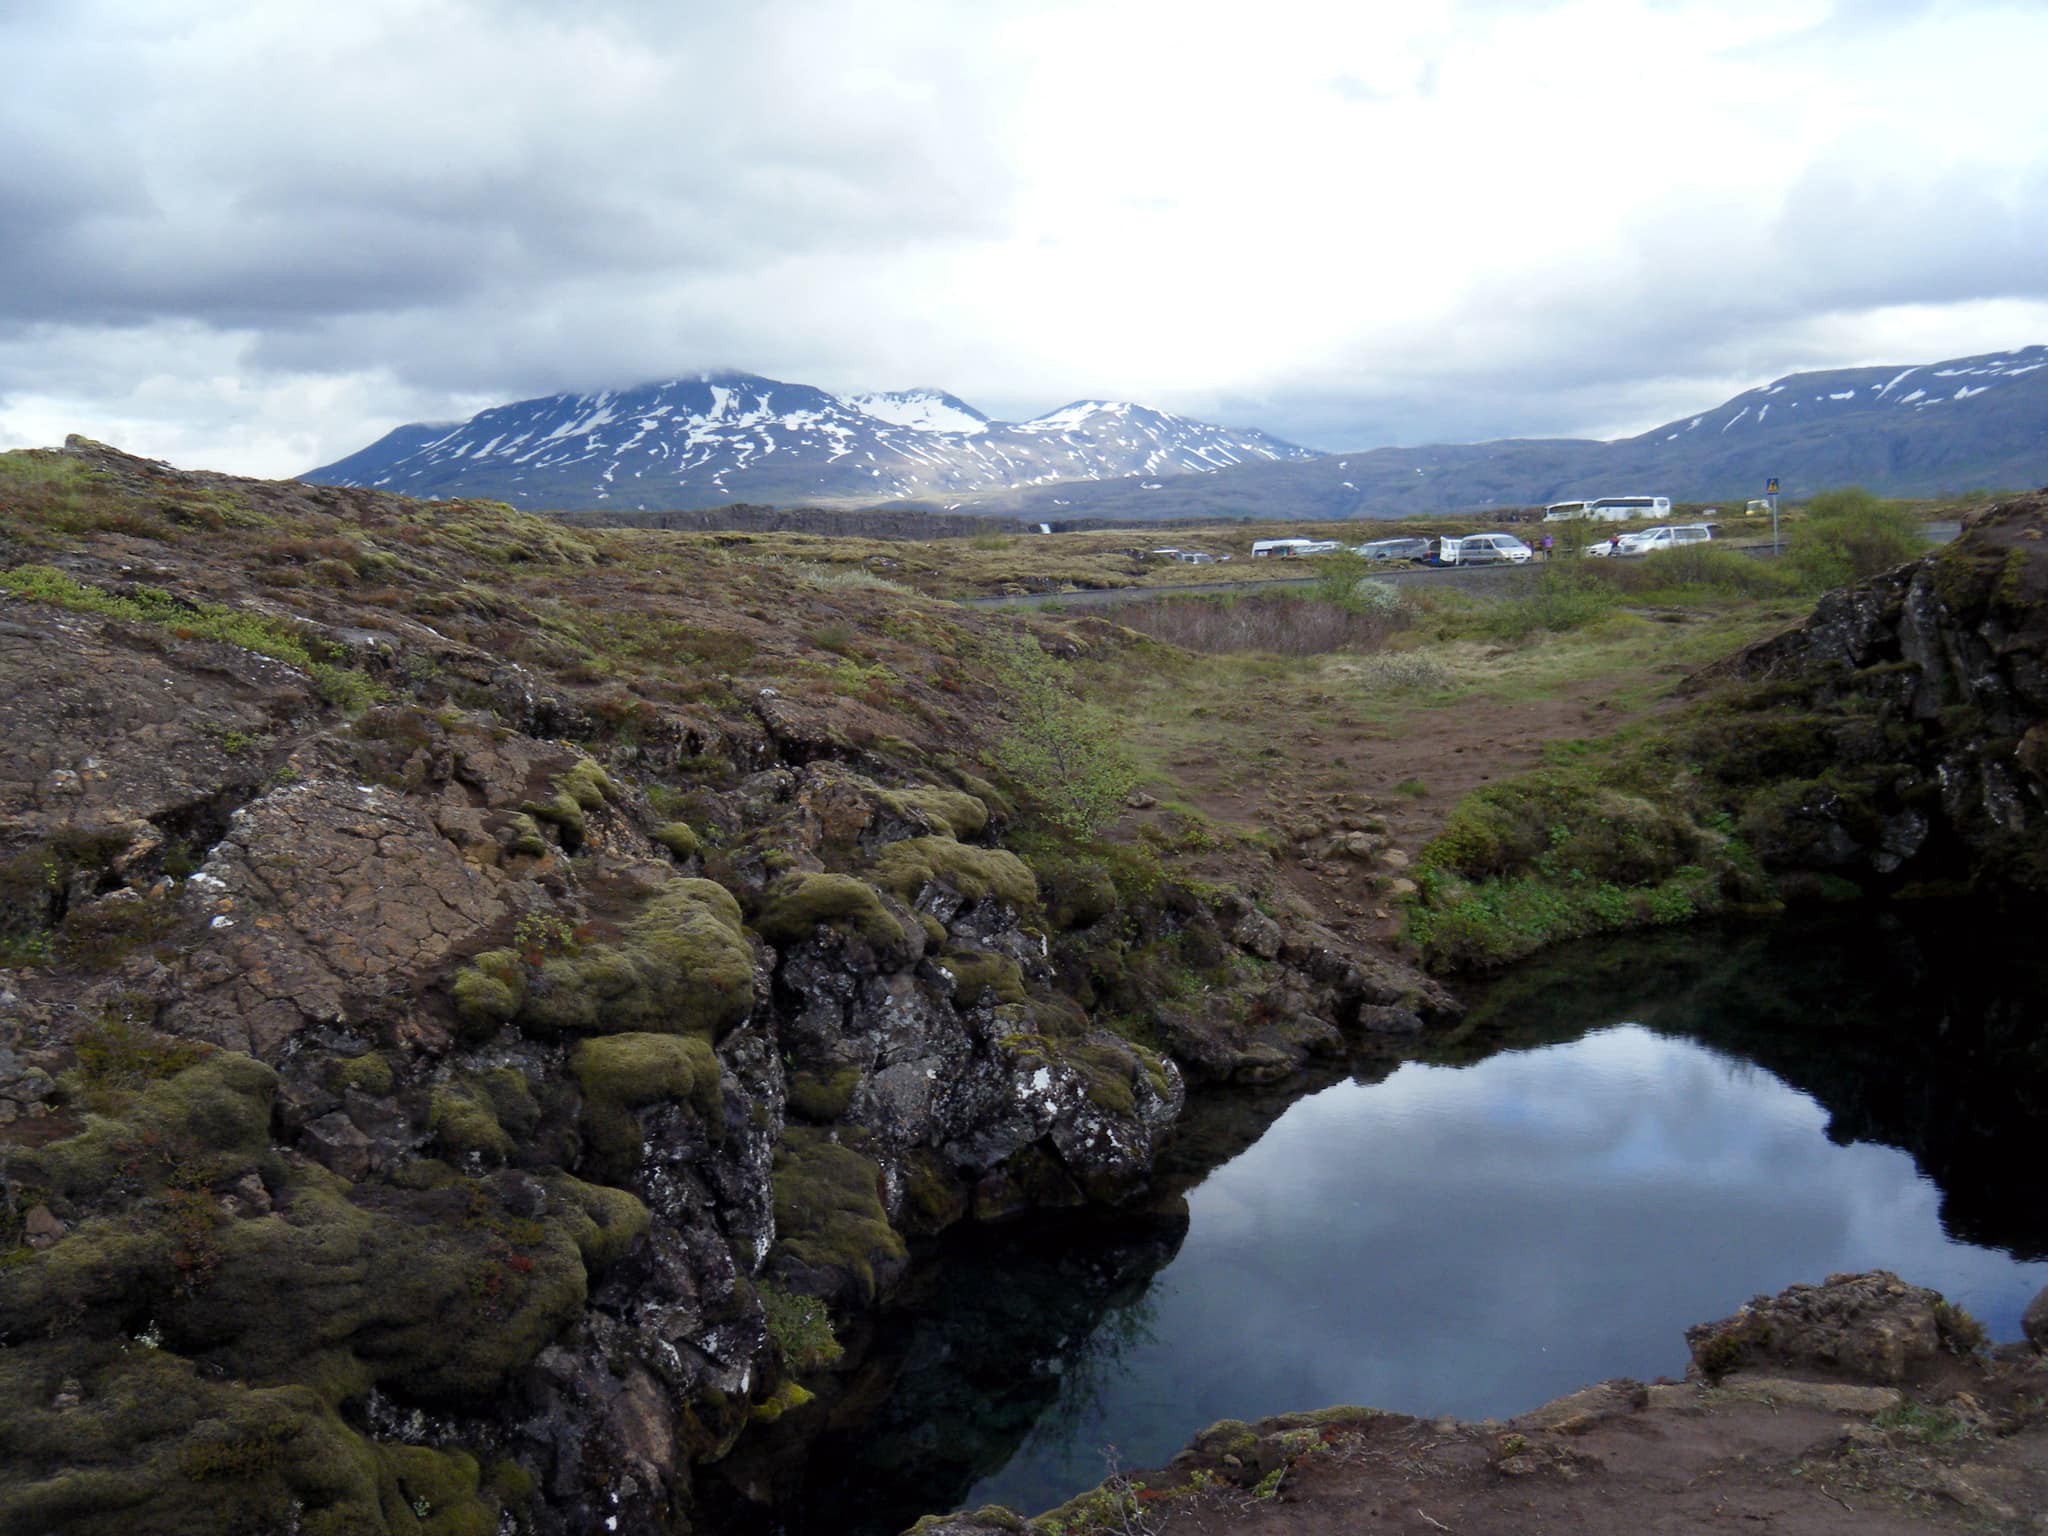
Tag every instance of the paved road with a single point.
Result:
(1479, 576)
(1470, 576)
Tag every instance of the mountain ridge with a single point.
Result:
(1900, 430)
(722, 437)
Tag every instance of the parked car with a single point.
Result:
(1394, 549)
(1650, 540)
(1483, 549)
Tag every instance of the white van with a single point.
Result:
(1483, 549)
(1650, 540)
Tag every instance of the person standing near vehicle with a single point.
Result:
(1546, 546)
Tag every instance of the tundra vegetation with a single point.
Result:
(486, 1004)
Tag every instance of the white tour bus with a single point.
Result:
(1564, 511)
(1622, 509)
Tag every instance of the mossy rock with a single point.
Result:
(802, 902)
(562, 811)
(527, 838)
(784, 1399)
(464, 1120)
(491, 989)
(977, 874)
(979, 972)
(635, 1069)
(681, 966)
(207, 1121)
(587, 784)
(823, 1096)
(604, 1222)
(948, 812)
(152, 1447)
(441, 1292)
(679, 838)
(1078, 892)
(834, 1240)
(621, 1073)
(370, 1073)
(933, 1196)
(436, 1491)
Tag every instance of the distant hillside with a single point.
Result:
(1903, 431)
(727, 437)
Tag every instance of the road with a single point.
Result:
(1479, 576)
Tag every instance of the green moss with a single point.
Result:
(784, 1399)
(491, 989)
(635, 1069)
(678, 838)
(561, 810)
(587, 784)
(370, 1074)
(801, 902)
(434, 1491)
(464, 1120)
(832, 1229)
(211, 1119)
(823, 1095)
(527, 838)
(605, 1222)
(906, 868)
(949, 812)
(620, 1073)
(933, 1196)
(681, 966)
(155, 1447)
(976, 972)
(1110, 1071)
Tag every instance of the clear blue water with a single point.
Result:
(1620, 1142)
(1475, 1240)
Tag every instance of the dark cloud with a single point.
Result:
(260, 194)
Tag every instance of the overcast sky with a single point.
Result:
(254, 235)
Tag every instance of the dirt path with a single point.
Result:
(1324, 781)
(1765, 1455)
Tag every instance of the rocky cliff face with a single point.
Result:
(1902, 733)
(478, 1001)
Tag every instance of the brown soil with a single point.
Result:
(1317, 788)
(1770, 1454)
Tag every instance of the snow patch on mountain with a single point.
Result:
(720, 437)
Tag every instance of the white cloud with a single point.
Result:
(274, 230)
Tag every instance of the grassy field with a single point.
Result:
(995, 563)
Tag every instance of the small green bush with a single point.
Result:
(1842, 536)
(1066, 755)
(800, 1328)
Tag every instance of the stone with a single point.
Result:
(1872, 1325)
(334, 1142)
(1579, 1411)
(1828, 1396)
(1382, 1020)
(1257, 934)
(40, 1229)
(2034, 1322)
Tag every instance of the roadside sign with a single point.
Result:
(1771, 486)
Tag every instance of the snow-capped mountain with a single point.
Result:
(727, 437)
(1924, 430)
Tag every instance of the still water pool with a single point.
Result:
(1609, 1151)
